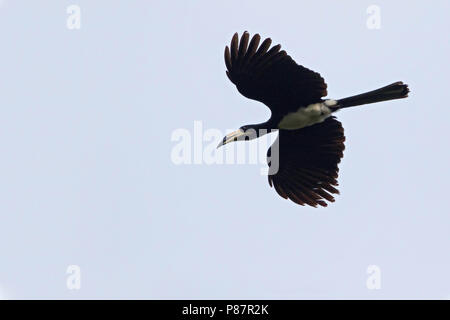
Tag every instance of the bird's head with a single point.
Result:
(248, 132)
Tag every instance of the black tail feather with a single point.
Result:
(396, 90)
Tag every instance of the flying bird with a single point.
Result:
(310, 140)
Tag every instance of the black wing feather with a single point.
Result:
(308, 163)
(271, 76)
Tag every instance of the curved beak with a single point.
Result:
(234, 136)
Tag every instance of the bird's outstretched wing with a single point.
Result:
(308, 162)
(270, 75)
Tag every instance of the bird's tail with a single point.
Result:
(396, 90)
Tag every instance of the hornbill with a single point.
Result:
(310, 140)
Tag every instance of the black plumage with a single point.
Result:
(271, 76)
(308, 156)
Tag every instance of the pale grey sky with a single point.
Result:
(86, 118)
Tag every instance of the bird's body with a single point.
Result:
(306, 116)
(310, 143)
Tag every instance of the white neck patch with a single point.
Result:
(307, 116)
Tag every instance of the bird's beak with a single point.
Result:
(234, 136)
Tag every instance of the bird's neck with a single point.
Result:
(263, 128)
